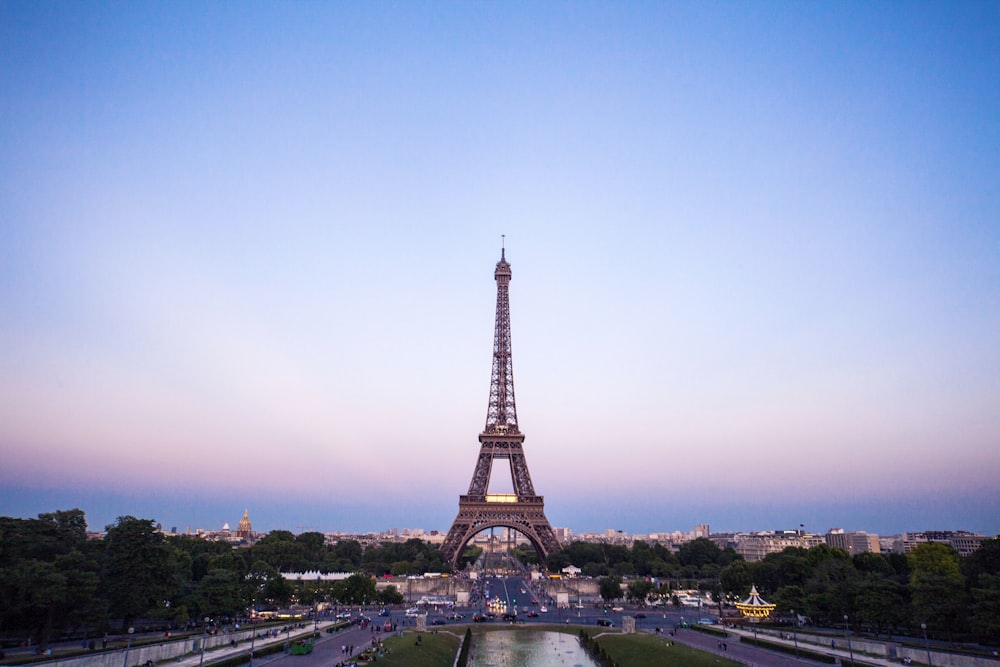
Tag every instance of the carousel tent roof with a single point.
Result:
(755, 606)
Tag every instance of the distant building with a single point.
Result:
(858, 542)
(244, 530)
(754, 546)
(564, 535)
(962, 541)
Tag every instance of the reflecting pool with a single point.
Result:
(527, 648)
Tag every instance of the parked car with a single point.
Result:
(605, 623)
(438, 621)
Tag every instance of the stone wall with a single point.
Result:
(139, 655)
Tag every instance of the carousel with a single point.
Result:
(755, 608)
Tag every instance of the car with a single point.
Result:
(616, 609)
(640, 615)
(543, 609)
(706, 621)
(532, 614)
(412, 612)
(605, 623)
(453, 616)
(383, 612)
(534, 601)
(387, 627)
(343, 616)
(438, 621)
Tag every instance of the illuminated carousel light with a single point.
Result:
(755, 607)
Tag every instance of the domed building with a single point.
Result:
(244, 531)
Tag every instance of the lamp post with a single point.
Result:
(847, 632)
(204, 640)
(129, 645)
(927, 647)
(795, 639)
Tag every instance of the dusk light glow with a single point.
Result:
(247, 252)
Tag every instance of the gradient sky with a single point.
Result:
(247, 252)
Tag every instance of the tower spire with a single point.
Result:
(501, 415)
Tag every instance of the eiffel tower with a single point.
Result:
(501, 439)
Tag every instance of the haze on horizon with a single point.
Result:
(246, 261)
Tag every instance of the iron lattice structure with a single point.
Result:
(501, 439)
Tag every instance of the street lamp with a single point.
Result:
(129, 645)
(927, 647)
(204, 640)
(847, 631)
(795, 640)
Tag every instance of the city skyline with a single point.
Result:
(246, 260)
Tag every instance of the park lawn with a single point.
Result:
(435, 650)
(641, 650)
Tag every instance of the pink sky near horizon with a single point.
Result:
(255, 250)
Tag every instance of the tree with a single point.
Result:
(136, 559)
(610, 588)
(698, 553)
(356, 589)
(831, 588)
(557, 561)
(985, 620)
(219, 593)
(736, 579)
(71, 525)
(937, 587)
(639, 590)
(790, 567)
(390, 595)
(48, 575)
(881, 604)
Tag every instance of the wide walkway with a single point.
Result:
(748, 654)
(353, 636)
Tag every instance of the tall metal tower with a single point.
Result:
(501, 439)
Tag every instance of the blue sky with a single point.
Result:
(246, 258)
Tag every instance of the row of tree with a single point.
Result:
(694, 560)
(54, 580)
(954, 597)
